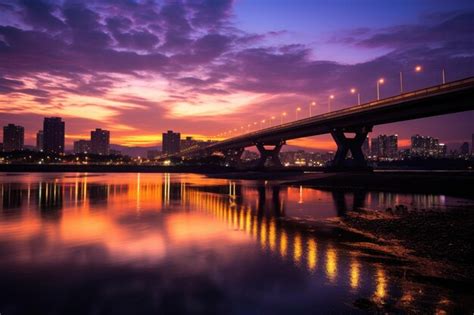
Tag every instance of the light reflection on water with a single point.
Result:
(219, 230)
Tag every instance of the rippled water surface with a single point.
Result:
(180, 243)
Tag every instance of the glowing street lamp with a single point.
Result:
(313, 103)
(262, 122)
(354, 91)
(417, 69)
(281, 117)
(331, 97)
(271, 120)
(379, 81)
(298, 109)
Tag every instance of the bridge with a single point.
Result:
(453, 97)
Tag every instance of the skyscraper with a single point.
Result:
(375, 147)
(385, 146)
(100, 141)
(39, 140)
(171, 142)
(13, 137)
(426, 146)
(464, 149)
(53, 135)
(391, 146)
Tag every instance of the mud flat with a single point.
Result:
(451, 183)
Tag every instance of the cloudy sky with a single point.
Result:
(204, 67)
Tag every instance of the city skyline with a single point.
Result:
(137, 70)
(382, 145)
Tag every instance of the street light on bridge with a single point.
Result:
(262, 122)
(379, 81)
(272, 119)
(298, 109)
(281, 117)
(313, 103)
(331, 97)
(354, 91)
(417, 69)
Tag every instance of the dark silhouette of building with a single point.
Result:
(426, 146)
(13, 137)
(385, 146)
(464, 149)
(82, 146)
(472, 144)
(39, 140)
(171, 142)
(53, 135)
(100, 141)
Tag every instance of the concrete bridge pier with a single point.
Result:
(269, 154)
(352, 145)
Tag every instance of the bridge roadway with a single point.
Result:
(453, 97)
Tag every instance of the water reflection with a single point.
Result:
(137, 218)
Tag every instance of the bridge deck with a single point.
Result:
(448, 98)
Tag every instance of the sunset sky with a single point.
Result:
(138, 68)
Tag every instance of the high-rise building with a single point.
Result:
(13, 137)
(385, 146)
(392, 146)
(472, 144)
(442, 150)
(464, 149)
(82, 146)
(426, 146)
(171, 142)
(100, 141)
(53, 135)
(39, 140)
(375, 147)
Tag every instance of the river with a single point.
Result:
(77, 243)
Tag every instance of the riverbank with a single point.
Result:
(456, 183)
(438, 243)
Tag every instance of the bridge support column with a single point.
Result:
(272, 154)
(354, 145)
(233, 156)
